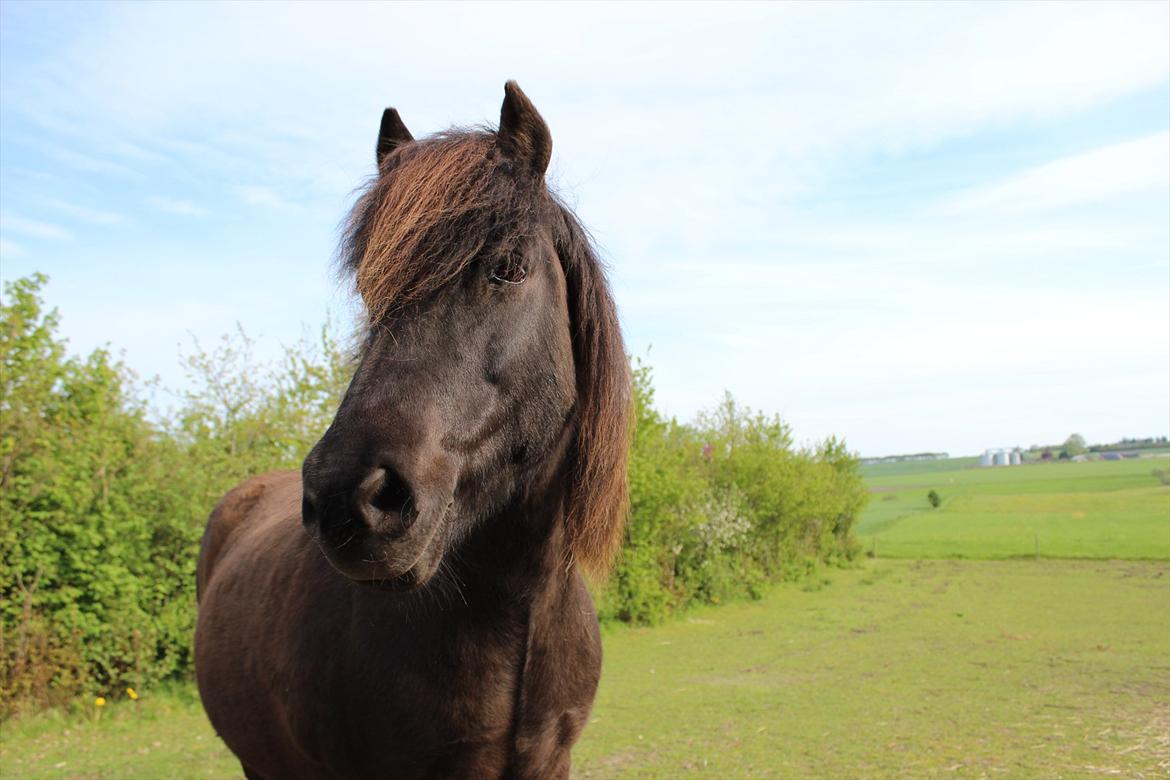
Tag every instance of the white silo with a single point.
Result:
(985, 460)
(1001, 458)
(1016, 458)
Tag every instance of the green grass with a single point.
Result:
(163, 735)
(971, 669)
(1102, 509)
(899, 669)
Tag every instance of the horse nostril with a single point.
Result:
(393, 495)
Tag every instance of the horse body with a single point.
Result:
(485, 681)
(410, 605)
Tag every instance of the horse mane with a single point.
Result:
(439, 203)
(598, 495)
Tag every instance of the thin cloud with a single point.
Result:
(33, 228)
(177, 206)
(811, 81)
(264, 197)
(10, 249)
(88, 162)
(86, 213)
(136, 152)
(1132, 166)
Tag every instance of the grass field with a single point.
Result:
(900, 669)
(1101, 509)
(910, 665)
(880, 470)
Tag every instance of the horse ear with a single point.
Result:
(523, 134)
(392, 134)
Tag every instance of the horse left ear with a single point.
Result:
(523, 134)
(392, 134)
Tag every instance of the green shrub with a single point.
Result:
(102, 508)
(724, 506)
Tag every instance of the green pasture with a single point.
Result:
(897, 669)
(1099, 509)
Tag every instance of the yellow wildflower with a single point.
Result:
(133, 694)
(100, 701)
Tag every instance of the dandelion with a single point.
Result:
(133, 694)
(100, 701)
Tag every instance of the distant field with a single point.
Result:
(965, 669)
(1100, 509)
(878, 470)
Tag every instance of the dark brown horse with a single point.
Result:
(410, 605)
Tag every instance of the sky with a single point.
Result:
(927, 227)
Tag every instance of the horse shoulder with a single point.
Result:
(561, 673)
(234, 511)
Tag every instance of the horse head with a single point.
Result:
(492, 362)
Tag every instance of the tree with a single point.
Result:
(934, 498)
(1074, 445)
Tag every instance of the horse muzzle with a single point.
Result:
(384, 531)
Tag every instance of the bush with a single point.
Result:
(934, 498)
(724, 506)
(102, 509)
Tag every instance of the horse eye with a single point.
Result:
(510, 271)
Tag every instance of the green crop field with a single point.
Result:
(1001, 667)
(1100, 509)
(898, 669)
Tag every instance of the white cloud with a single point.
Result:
(759, 103)
(33, 228)
(177, 206)
(135, 152)
(934, 364)
(10, 249)
(1141, 164)
(86, 160)
(264, 197)
(85, 213)
(789, 79)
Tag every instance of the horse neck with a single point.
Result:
(524, 548)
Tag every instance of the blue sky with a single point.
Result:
(920, 227)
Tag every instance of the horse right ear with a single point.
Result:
(523, 135)
(392, 135)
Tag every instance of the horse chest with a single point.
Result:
(491, 698)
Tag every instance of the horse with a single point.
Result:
(412, 604)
